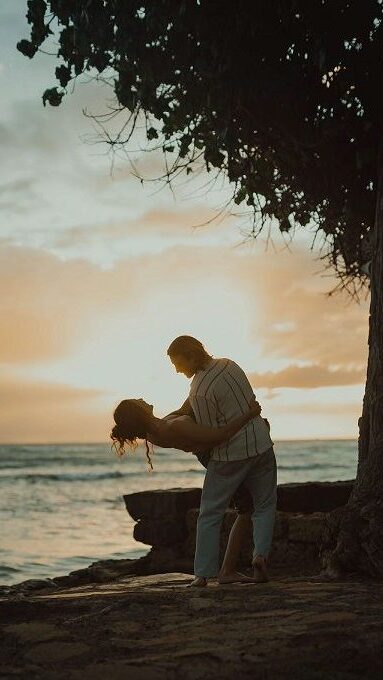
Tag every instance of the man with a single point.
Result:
(219, 392)
(243, 505)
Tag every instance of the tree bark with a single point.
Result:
(353, 541)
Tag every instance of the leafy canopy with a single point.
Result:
(282, 96)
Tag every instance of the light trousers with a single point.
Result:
(259, 474)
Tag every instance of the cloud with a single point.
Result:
(17, 393)
(16, 187)
(173, 222)
(308, 377)
(162, 223)
(48, 307)
(297, 320)
(44, 412)
(77, 323)
(331, 409)
(59, 192)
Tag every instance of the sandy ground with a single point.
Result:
(153, 627)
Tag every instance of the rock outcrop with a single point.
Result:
(166, 520)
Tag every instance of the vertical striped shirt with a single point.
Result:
(220, 393)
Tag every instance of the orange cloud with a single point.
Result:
(175, 222)
(308, 377)
(48, 307)
(296, 318)
(52, 309)
(38, 412)
(304, 408)
(159, 223)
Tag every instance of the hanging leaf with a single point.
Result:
(63, 75)
(53, 97)
(152, 133)
(27, 48)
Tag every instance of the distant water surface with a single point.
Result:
(62, 507)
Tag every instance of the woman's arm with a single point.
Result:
(184, 410)
(187, 435)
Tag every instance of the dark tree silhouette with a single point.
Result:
(284, 98)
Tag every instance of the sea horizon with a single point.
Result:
(98, 442)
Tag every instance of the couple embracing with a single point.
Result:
(221, 423)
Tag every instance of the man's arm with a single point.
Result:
(187, 435)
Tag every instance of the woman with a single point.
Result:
(134, 419)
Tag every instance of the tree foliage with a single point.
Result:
(283, 97)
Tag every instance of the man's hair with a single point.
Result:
(185, 344)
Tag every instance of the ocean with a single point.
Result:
(61, 506)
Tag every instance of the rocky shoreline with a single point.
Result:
(137, 618)
(166, 521)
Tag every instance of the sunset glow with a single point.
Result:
(98, 274)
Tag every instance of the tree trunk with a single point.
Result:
(354, 537)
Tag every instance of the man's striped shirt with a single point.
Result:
(220, 393)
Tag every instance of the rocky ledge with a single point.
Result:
(166, 521)
(154, 628)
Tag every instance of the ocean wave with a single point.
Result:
(28, 463)
(69, 477)
(78, 475)
(4, 569)
(313, 466)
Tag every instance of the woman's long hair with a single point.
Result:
(130, 424)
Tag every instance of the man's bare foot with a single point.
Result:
(235, 577)
(198, 582)
(260, 569)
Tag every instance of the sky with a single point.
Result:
(99, 273)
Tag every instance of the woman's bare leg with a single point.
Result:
(228, 573)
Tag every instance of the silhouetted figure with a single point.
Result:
(219, 393)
